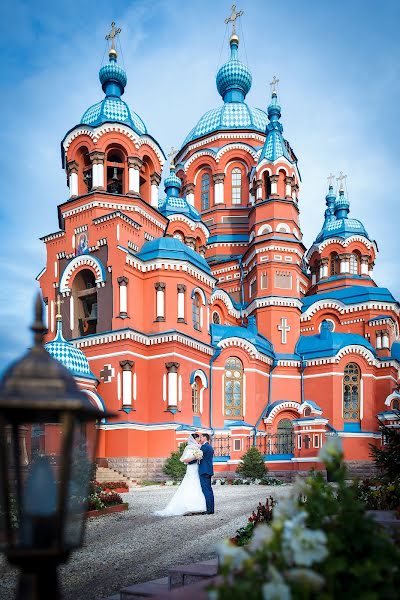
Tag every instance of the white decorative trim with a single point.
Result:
(197, 155)
(393, 396)
(193, 225)
(170, 265)
(264, 229)
(140, 426)
(285, 405)
(343, 309)
(114, 215)
(272, 301)
(246, 346)
(226, 299)
(344, 243)
(114, 206)
(52, 236)
(79, 261)
(222, 136)
(229, 147)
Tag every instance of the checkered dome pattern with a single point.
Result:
(72, 358)
(231, 115)
(113, 109)
(233, 74)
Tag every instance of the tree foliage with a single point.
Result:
(252, 464)
(173, 467)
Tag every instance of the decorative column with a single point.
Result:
(258, 186)
(295, 191)
(344, 263)
(155, 179)
(313, 275)
(219, 188)
(364, 264)
(134, 166)
(378, 340)
(160, 301)
(288, 184)
(126, 366)
(191, 242)
(181, 302)
(323, 267)
(188, 191)
(172, 385)
(385, 339)
(97, 159)
(123, 297)
(274, 184)
(371, 268)
(72, 168)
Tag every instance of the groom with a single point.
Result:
(206, 471)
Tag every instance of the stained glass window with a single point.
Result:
(195, 397)
(196, 303)
(236, 186)
(205, 191)
(233, 388)
(351, 393)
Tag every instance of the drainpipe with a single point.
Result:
(241, 288)
(303, 365)
(273, 365)
(212, 359)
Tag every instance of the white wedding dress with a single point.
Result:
(188, 498)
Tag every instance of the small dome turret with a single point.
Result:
(173, 203)
(234, 78)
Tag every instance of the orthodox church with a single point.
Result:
(204, 309)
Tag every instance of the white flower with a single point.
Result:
(286, 507)
(306, 577)
(303, 546)
(231, 555)
(331, 451)
(301, 486)
(262, 536)
(276, 591)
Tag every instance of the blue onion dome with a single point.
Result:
(275, 146)
(112, 108)
(173, 203)
(68, 355)
(274, 110)
(342, 206)
(234, 78)
(337, 222)
(172, 181)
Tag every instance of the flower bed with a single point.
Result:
(108, 510)
(101, 500)
(121, 487)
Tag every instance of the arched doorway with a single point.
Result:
(284, 437)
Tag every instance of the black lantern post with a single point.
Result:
(47, 448)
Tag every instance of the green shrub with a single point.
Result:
(173, 467)
(270, 481)
(387, 458)
(252, 465)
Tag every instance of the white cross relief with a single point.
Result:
(284, 328)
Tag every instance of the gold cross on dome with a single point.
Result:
(232, 18)
(341, 179)
(274, 84)
(172, 154)
(113, 34)
(59, 302)
(330, 179)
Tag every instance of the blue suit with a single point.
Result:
(206, 471)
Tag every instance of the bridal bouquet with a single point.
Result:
(191, 453)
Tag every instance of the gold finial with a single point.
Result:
(111, 36)
(59, 302)
(341, 179)
(330, 179)
(171, 156)
(274, 85)
(232, 19)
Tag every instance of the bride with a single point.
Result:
(189, 497)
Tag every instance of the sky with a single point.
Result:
(338, 63)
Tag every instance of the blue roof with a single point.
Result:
(173, 249)
(395, 353)
(173, 203)
(250, 333)
(112, 108)
(68, 355)
(337, 222)
(351, 295)
(328, 343)
(233, 83)
(274, 145)
(231, 237)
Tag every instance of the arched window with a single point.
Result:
(196, 304)
(334, 264)
(351, 392)
(196, 397)
(395, 405)
(307, 411)
(84, 304)
(233, 389)
(267, 184)
(236, 186)
(216, 319)
(284, 437)
(205, 191)
(354, 264)
(115, 171)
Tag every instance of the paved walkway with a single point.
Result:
(135, 546)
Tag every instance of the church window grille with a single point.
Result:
(196, 307)
(236, 186)
(351, 392)
(284, 437)
(283, 280)
(233, 388)
(354, 264)
(216, 319)
(264, 281)
(334, 264)
(195, 398)
(205, 191)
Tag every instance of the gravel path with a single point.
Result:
(134, 546)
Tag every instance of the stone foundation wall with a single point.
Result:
(139, 468)
(361, 469)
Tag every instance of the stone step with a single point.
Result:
(106, 474)
(188, 574)
(195, 591)
(149, 589)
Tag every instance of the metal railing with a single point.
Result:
(221, 445)
(274, 443)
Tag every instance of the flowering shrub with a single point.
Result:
(95, 503)
(110, 498)
(263, 514)
(95, 487)
(112, 485)
(379, 495)
(319, 544)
